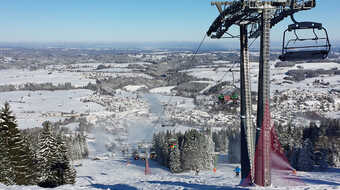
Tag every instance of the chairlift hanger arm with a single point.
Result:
(232, 11)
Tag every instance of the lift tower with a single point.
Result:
(259, 16)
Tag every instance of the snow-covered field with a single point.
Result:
(17, 77)
(277, 74)
(162, 90)
(33, 107)
(133, 88)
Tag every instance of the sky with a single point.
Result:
(129, 20)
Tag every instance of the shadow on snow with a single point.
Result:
(141, 163)
(328, 170)
(113, 187)
(88, 178)
(319, 182)
(195, 186)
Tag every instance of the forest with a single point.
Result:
(306, 148)
(47, 147)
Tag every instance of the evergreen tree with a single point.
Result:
(193, 150)
(53, 156)
(19, 153)
(70, 175)
(6, 175)
(197, 151)
(66, 172)
(48, 157)
(175, 159)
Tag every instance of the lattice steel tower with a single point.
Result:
(258, 16)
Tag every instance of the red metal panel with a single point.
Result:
(226, 98)
(263, 152)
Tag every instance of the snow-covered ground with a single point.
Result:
(117, 174)
(133, 88)
(162, 90)
(277, 75)
(138, 114)
(17, 77)
(33, 107)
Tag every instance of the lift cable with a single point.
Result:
(176, 71)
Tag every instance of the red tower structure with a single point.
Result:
(263, 152)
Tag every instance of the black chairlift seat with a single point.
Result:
(303, 53)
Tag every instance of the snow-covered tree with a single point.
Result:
(78, 147)
(193, 150)
(66, 172)
(6, 175)
(175, 159)
(19, 153)
(48, 157)
(70, 175)
(197, 151)
(54, 158)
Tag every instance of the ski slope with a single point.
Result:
(117, 174)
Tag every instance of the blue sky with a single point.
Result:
(128, 20)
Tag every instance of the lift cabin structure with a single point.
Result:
(255, 18)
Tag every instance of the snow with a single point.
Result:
(115, 75)
(72, 126)
(178, 101)
(333, 115)
(133, 88)
(93, 66)
(221, 61)
(115, 70)
(162, 90)
(277, 74)
(116, 173)
(112, 171)
(32, 108)
(221, 74)
(17, 77)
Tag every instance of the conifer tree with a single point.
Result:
(191, 153)
(175, 160)
(19, 153)
(70, 175)
(66, 172)
(48, 157)
(6, 175)
(53, 156)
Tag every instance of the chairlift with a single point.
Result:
(291, 52)
(153, 155)
(168, 124)
(172, 143)
(227, 97)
